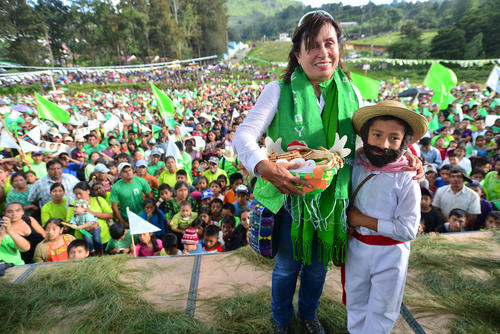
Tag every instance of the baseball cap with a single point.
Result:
(123, 165)
(80, 140)
(213, 160)
(206, 194)
(241, 189)
(101, 168)
(152, 141)
(155, 152)
(141, 163)
(455, 170)
(36, 153)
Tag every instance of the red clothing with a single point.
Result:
(216, 249)
(61, 253)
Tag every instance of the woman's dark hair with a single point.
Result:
(180, 184)
(22, 174)
(408, 130)
(149, 200)
(57, 185)
(82, 186)
(153, 241)
(198, 222)
(202, 178)
(116, 230)
(310, 27)
(13, 203)
(164, 186)
(57, 221)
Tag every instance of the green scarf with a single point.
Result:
(298, 118)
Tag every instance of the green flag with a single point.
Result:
(368, 87)
(441, 79)
(434, 123)
(165, 104)
(50, 110)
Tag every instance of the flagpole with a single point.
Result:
(132, 237)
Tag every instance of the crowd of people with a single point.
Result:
(185, 178)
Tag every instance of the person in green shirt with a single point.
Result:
(38, 165)
(93, 145)
(11, 243)
(155, 166)
(229, 162)
(128, 192)
(213, 171)
(55, 208)
(121, 240)
(169, 176)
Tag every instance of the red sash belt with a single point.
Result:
(376, 240)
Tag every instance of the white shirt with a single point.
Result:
(464, 164)
(258, 120)
(391, 198)
(466, 199)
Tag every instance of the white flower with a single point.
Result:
(273, 147)
(338, 146)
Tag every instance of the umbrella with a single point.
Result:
(413, 92)
(21, 108)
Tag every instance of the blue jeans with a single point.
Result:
(285, 273)
(95, 243)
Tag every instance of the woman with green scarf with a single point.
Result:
(312, 103)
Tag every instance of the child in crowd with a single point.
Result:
(431, 176)
(182, 220)
(148, 245)
(78, 249)
(228, 224)
(190, 242)
(204, 214)
(385, 211)
(229, 210)
(170, 245)
(210, 240)
(430, 217)
(486, 207)
(223, 184)
(31, 177)
(216, 210)
(199, 225)
(492, 220)
(242, 198)
(84, 220)
(239, 236)
(55, 246)
(235, 180)
(120, 241)
(202, 184)
(165, 195)
(216, 188)
(457, 221)
(477, 174)
(444, 176)
(154, 215)
(206, 197)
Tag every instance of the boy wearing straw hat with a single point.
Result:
(384, 216)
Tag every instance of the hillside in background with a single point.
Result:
(243, 12)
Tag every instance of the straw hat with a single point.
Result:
(229, 154)
(417, 122)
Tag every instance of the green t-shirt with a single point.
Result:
(9, 252)
(228, 166)
(212, 177)
(40, 170)
(97, 204)
(188, 162)
(491, 186)
(89, 149)
(154, 169)
(171, 178)
(52, 210)
(126, 242)
(178, 222)
(130, 195)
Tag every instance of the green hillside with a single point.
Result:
(242, 12)
(383, 39)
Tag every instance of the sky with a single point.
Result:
(318, 3)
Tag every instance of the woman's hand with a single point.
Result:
(278, 174)
(415, 165)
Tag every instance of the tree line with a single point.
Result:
(467, 29)
(105, 32)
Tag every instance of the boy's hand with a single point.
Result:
(415, 165)
(353, 217)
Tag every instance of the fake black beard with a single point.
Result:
(387, 155)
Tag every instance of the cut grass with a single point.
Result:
(248, 255)
(463, 286)
(86, 297)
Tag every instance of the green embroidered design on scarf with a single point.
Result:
(299, 118)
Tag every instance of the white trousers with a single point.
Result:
(375, 278)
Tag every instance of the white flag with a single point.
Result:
(494, 79)
(138, 225)
(173, 150)
(61, 127)
(34, 134)
(93, 124)
(27, 147)
(111, 124)
(6, 140)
